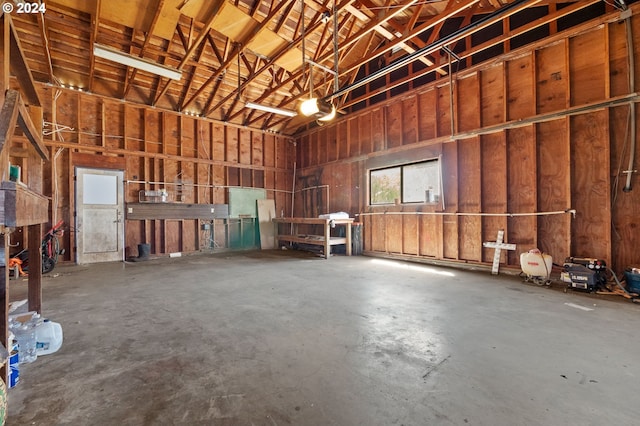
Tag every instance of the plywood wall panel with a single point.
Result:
(520, 88)
(522, 195)
(152, 130)
(67, 113)
(90, 121)
(364, 133)
(426, 115)
(134, 128)
(552, 78)
(492, 92)
(450, 184)
(244, 146)
(218, 141)
(187, 142)
(114, 125)
(283, 199)
(323, 146)
(394, 119)
(494, 194)
(231, 145)
(354, 136)
(443, 109)
(377, 130)
(313, 150)
(332, 144)
(469, 107)
(269, 150)
(626, 205)
(343, 139)
(469, 199)
(173, 236)
(203, 140)
(219, 180)
(338, 178)
(189, 241)
(186, 178)
(378, 232)
(358, 188)
(590, 185)
(588, 67)
(257, 146)
(282, 155)
(202, 192)
(410, 120)
(430, 237)
(410, 242)
(554, 188)
(618, 63)
(171, 134)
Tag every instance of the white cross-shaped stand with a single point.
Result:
(498, 245)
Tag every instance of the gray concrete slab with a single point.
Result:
(280, 338)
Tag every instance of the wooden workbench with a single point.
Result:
(325, 239)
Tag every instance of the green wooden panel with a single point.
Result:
(242, 201)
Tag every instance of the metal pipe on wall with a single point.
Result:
(632, 105)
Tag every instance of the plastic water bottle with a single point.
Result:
(26, 336)
(48, 337)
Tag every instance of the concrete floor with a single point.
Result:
(283, 338)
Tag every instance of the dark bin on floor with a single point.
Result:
(633, 281)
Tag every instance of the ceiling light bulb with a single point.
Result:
(309, 107)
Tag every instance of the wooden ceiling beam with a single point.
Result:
(232, 58)
(452, 9)
(191, 78)
(553, 17)
(401, 29)
(131, 76)
(18, 63)
(315, 24)
(190, 50)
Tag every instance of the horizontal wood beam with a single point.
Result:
(176, 211)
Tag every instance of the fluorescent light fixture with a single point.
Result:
(274, 110)
(105, 52)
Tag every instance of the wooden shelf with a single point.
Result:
(22, 206)
(177, 211)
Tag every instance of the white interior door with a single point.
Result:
(99, 221)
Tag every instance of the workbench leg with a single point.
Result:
(327, 240)
(348, 226)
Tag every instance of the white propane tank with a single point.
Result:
(534, 263)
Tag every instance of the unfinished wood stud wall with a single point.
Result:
(519, 148)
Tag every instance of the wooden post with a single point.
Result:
(4, 296)
(34, 290)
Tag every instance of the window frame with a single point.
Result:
(439, 198)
